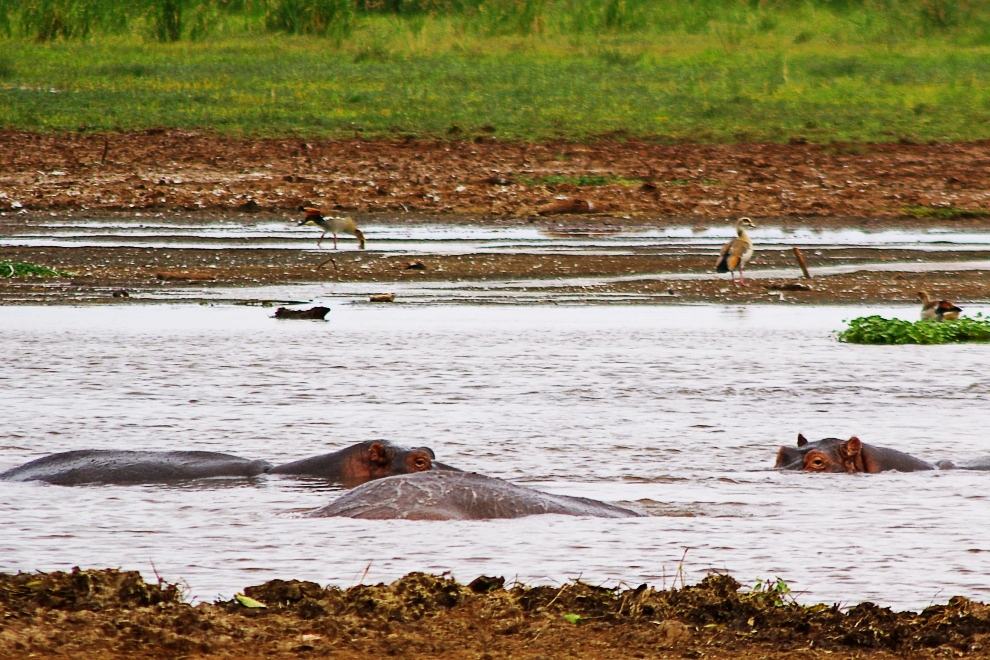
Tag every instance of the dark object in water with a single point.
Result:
(363, 462)
(443, 495)
(416, 265)
(110, 466)
(789, 286)
(313, 313)
(121, 293)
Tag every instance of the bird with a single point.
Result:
(940, 310)
(334, 224)
(735, 254)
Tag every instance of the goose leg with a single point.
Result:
(742, 281)
(335, 241)
(320, 239)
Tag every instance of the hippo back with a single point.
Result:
(443, 495)
(133, 467)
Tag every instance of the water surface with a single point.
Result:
(678, 409)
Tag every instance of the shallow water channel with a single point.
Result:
(466, 239)
(678, 410)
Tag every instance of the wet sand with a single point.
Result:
(111, 614)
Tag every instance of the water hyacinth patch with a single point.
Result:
(878, 330)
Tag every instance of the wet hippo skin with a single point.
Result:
(445, 495)
(110, 466)
(852, 455)
(363, 462)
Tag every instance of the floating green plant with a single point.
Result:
(878, 330)
(23, 269)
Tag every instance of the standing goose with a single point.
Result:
(940, 310)
(334, 224)
(736, 253)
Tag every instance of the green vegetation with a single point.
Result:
(702, 70)
(878, 330)
(24, 269)
(943, 212)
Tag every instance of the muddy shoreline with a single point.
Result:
(113, 614)
(195, 179)
(626, 181)
(129, 275)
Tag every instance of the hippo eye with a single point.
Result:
(817, 462)
(421, 463)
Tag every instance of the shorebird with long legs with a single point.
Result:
(333, 224)
(736, 253)
(940, 310)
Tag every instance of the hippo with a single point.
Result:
(350, 466)
(363, 462)
(111, 466)
(852, 455)
(449, 495)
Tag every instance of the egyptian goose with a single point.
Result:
(940, 310)
(334, 224)
(736, 253)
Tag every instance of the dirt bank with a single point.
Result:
(113, 614)
(485, 180)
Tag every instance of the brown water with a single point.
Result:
(679, 409)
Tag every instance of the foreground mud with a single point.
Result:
(485, 180)
(113, 614)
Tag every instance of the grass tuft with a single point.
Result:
(23, 269)
(878, 330)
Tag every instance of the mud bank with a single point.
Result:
(121, 275)
(489, 181)
(111, 614)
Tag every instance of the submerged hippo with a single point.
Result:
(854, 455)
(446, 495)
(350, 466)
(363, 462)
(110, 466)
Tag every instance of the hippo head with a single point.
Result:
(384, 459)
(828, 455)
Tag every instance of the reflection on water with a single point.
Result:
(678, 410)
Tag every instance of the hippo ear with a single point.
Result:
(378, 454)
(852, 447)
(802, 441)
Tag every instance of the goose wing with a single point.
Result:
(723, 258)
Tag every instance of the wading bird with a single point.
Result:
(334, 224)
(940, 310)
(736, 253)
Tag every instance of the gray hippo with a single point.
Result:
(854, 455)
(349, 466)
(445, 495)
(111, 466)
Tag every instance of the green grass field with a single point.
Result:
(730, 73)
